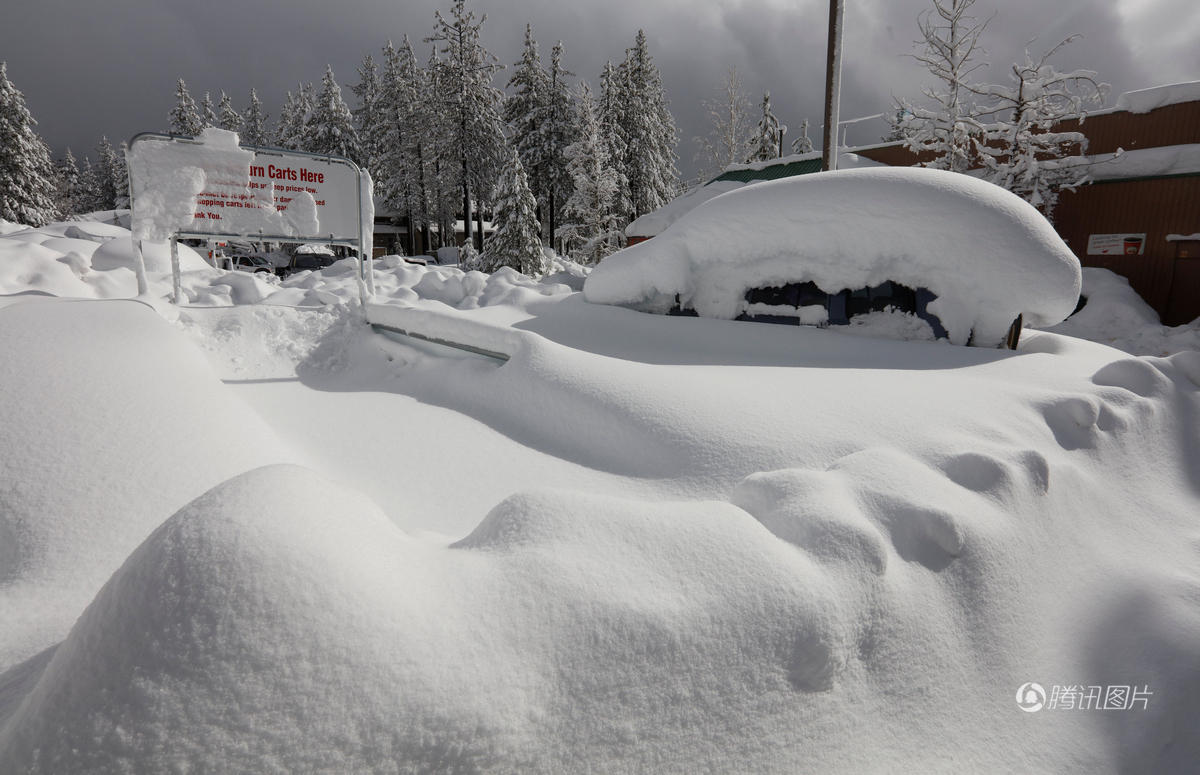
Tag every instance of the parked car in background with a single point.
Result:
(309, 258)
(250, 263)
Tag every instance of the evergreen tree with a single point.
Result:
(728, 142)
(112, 178)
(515, 243)
(562, 129)
(185, 117)
(89, 187)
(591, 228)
(27, 178)
(207, 115)
(948, 129)
(408, 141)
(803, 143)
(254, 131)
(227, 117)
(330, 129)
(369, 115)
(650, 137)
(289, 132)
(523, 112)
(67, 191)
(612, 128)
(1019, 147)
(766, 142)
(472, 104)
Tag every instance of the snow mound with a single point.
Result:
(985, 252)
(280, 623)
(95, 398)
(1116, 315)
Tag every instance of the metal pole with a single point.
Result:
(175, 284)
(833, 86)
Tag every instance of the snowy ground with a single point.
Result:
(260, 537)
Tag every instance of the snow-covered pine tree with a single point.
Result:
(562, 129)
(67, 191)
(227, 116)
(330, 129)
(27, 178)
(111, 177)
(729, 115)
(611, 111)
(444, 165)
(89, 187)
(185, 116)
(591, 228)
(803, 143)
(1019, 148)
(207, 115)
(400, 137)
(515, 243)
(368, 116)
(947, 128)
(475, 130)
(766, 145)
(649, 131)
(293, 118)
(254, 131)
(523, 111)
(469, 259)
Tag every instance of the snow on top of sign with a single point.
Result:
(985, 252)
(1146, 100)
(1183, 237)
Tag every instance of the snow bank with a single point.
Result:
(109, 421)
(1146, 100)
(1117, 316)
(986, 253)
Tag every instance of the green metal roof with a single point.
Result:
(771, 172)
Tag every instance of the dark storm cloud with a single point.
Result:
(91, 69)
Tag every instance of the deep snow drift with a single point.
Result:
(986, 253)
(644, 543)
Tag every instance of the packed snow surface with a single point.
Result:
(1146, 162)
(260, 537)
(986, 253)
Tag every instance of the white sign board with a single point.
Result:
(211, 185)
(1116, 244)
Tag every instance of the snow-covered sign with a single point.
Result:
(1116, 245)
(212, 185)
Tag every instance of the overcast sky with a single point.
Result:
(109, 68)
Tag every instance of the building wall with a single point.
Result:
(1155, 206)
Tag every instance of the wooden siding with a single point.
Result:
(1156, 207)
(1170, 125)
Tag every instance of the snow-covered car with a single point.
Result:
(962, 259)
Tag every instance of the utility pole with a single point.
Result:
(833, 86)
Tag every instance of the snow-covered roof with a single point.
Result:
(1146, 100)
(985, 252)
(1147, 162)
